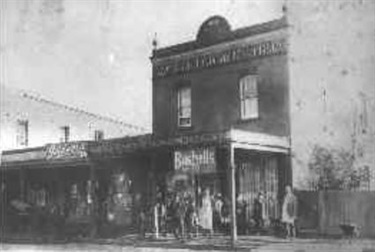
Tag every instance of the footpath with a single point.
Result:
(131, 243)
(256, 244)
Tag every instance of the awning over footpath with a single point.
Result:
(259, 141)
(149, 143)
(80, 153)
(50, 155)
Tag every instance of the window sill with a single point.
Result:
(248, 120)
(185, 128)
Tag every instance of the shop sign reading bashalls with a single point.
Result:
(200, 160)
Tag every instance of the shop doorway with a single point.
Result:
(195, 184)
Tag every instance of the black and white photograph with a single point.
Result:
(187, 125)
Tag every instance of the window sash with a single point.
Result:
(249, 97)
(249, 108)
(184, 106)
(184, 121)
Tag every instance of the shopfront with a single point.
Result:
(201, 165)
(260, 173)
(63, 189)
(97, 185)
(205, 161)
(47, 187)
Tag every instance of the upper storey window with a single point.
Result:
(184, 106)
(249, 97)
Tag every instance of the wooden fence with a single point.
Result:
(325, 211)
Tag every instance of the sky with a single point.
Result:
(94, 54)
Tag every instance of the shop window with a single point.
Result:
(22, 133)
(259, 175)
(37, 195)
(99, 135)
(249, 97)
(184, 106)
(65, 134)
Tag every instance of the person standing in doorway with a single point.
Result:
(218, 206)
(181, 216)
(140, 215)
(289, 212)
(259, 212)
(205, 213)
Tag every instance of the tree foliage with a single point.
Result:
(333, 169)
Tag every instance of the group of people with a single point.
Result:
(288, 213)
(185, 216)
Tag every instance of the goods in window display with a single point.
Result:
(81, 210)
(179, 182)
(119, 200)
(37, 196)
(19, 205)
(41, 197)
(81, 204)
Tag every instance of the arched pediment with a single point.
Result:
(214, 30)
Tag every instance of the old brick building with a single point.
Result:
(226, 94)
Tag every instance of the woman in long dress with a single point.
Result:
(205, 213)
(289, 212)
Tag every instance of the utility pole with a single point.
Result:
(232, 168)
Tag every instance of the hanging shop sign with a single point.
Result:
(66, 151)
(224, 57)
(200, 160)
